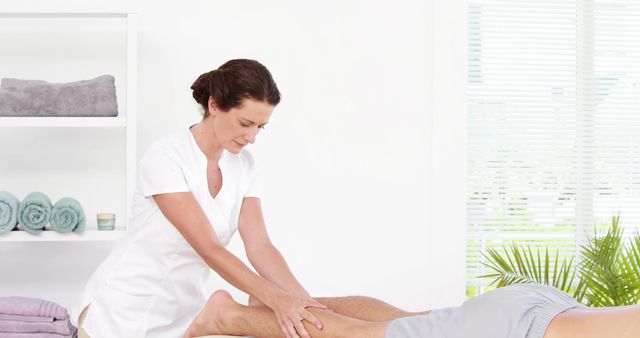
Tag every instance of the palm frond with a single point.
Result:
(629, 270)
(599, 267)
(516, 265)
(608, 272)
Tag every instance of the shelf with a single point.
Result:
(20, 9)
(50, 121)
(52, 236)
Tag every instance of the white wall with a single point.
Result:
(363, 162)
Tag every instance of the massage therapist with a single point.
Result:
(194, 189)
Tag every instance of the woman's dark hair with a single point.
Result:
(233, 82)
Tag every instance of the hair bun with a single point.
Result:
(200, 89)
(233, 82)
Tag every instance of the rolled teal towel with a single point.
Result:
(34, 212)
(67, 215)
(8, 211)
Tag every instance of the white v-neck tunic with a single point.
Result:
(152, 284)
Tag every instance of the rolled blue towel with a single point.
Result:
(8, 211)
(67, 215)
(34, 212)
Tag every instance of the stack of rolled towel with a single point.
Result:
(89, 98)
(23, 317)
(35, 211)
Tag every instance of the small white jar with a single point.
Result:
(106, 221)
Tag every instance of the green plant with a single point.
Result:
(605, 272)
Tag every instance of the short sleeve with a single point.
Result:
(159, 172)
(253, 186)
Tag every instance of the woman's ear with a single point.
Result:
(213, 107)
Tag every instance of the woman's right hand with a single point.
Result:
(291, 310)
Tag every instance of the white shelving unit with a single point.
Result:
(126, 122)
(52, 236)
(68, 122)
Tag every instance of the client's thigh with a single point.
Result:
(618, 322)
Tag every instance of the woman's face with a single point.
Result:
(240, 125)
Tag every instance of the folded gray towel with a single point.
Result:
(95, 97)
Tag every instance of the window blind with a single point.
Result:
(554, 123)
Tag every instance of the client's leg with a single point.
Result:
(619, 322)
(222, 315)
(359, 307)
(366, 308)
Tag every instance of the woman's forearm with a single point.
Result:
(234, 271)
(270, 264)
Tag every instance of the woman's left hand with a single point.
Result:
(291, 310)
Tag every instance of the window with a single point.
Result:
(554, 123)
